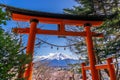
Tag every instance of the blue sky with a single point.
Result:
(42, 5)
(55, 6)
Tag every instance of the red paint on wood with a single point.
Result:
(60, 32)
(111, 69)
(30, 49)
(91, 54)
(48, 20)
(83, 71)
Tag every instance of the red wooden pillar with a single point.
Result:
(91, 54)
(30, 47)
(83, 71)
(111, 69)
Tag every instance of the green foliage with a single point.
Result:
(90, 7)
(84, 8)
(11, 60)
(111, 42)
(110, 28)
(81, 9)
(3, 16)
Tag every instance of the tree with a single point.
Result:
(11, 60)
(42, 71)
(109, 45)
(94, 7)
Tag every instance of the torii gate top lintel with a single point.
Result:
(55, 18)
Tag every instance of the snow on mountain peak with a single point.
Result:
(51, 56)
(59, 56)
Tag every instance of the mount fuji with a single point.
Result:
(57, 59)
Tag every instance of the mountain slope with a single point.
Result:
(58, 59)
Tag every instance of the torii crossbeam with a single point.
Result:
(61, 20)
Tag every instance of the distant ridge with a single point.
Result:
(57, 56)
(57, 59)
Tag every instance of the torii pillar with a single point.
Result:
(90, 49)
(30, 47)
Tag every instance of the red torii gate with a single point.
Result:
(109, 66)
(61, 20)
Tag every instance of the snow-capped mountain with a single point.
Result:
(57, 59)
(57, 56)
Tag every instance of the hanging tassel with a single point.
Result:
(70, 47)
(64, 48)
(51, 47)
(57, 48)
